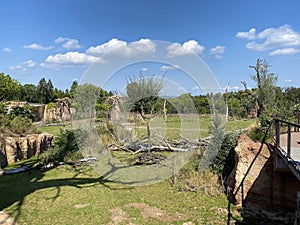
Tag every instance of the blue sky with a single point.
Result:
(59, 40)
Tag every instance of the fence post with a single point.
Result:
(289, 141)
(277, 132)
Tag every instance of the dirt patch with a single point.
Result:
(80, 206)
(156, 213)
(119, 216)
(5, 219)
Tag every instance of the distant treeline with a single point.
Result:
(240, 103)
(44, 92)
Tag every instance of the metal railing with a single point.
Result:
(279, 124)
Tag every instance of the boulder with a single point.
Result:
(13, 149)
(264, 191)
(61, 112)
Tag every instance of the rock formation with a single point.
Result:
(61, 112)
(265, 191)
(13, 149)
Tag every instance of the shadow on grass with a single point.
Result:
(15, 187)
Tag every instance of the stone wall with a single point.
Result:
(60, 113)
(265, 190)
(13, 149)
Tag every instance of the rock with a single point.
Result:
(13, 149)
(61, 112)
(265, 192)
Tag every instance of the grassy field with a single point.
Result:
(173, 126)
(186, 126)
(66, 195)
(53, 129)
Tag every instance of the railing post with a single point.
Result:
(289, 141)
(277, 132)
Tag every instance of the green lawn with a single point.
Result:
(67, 196)
(187, 125)
(53, 129)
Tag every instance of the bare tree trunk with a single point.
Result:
(148, 134)
(165, 110)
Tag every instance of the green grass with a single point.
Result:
(66, 196)
(25, 162)
(53, 129)
(186, 126)
(174, 125)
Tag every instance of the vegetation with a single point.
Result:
(65, 147)
(69, 196)
(73, 195)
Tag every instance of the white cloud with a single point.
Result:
(142, 46)
(181, 90)
(24, 66)
(51, 66)
(189, 47)
(275, 38)
(106, 47)
(68, 43)
(288, 81)
(29, 63)
(250, 35)
(173, 67)
(122, 48)
(144, 69)
(196, 88)
(71, 58)
(217, 51)
(231, 88)
(137, 48)
(284, 51)
(38, 47)
(7, 50)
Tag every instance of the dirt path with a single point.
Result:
(5, 219)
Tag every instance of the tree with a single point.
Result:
(266, 95)
(42, 91)
(50, 91)
(266, 84)
(29, 93)
(142, 98)
(73, 88)
(9, 88)
(85, 100)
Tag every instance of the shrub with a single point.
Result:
(51, 105)
(257, 133)
(2, 108)
(26, 112)
(65, 147)
(21, 125)
(189, 178)
(224, 161)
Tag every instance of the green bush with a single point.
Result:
(257, 133)
(26, 112)
(21, 125)
(2, 108)
(51, 105)
(224, 161)
(65, 147)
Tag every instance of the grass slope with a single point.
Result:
(68, 196)
(65, 195)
